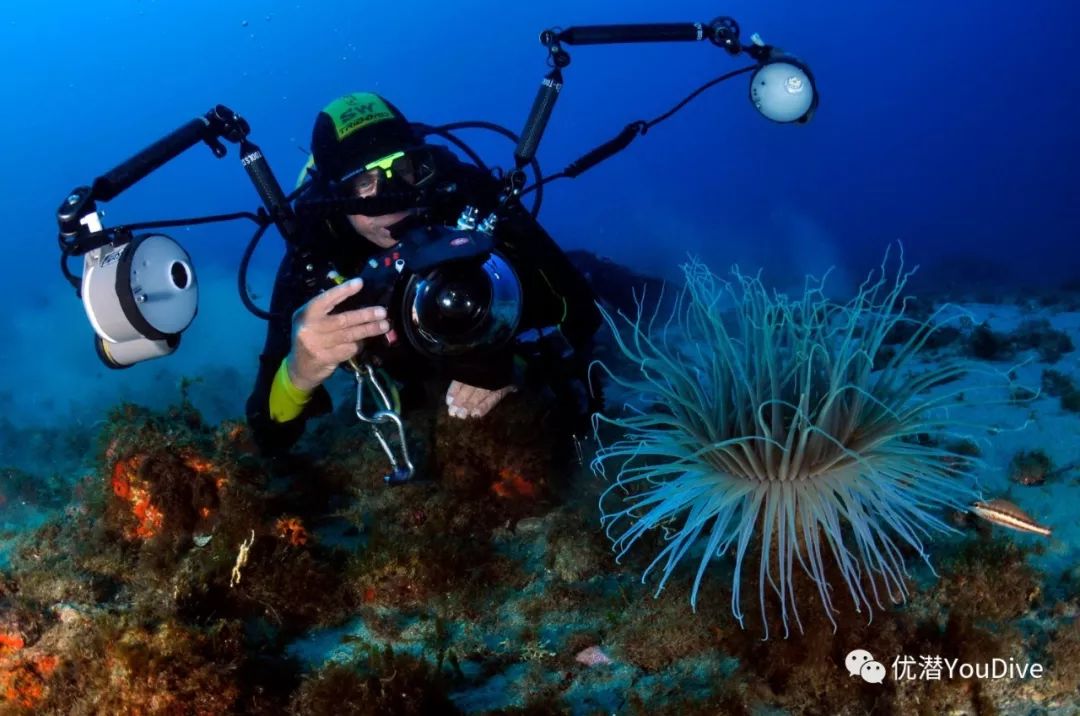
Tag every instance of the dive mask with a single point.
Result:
(409, 168)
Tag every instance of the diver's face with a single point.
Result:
(375, 229)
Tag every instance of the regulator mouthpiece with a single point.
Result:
(139, 296)
(783, 90)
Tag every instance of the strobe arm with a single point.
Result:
(219, 123)
(722, 32)
(81, 202)
(610, 34)
(79, 230)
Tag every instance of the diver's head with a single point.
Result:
(368, 182)
(359, 146)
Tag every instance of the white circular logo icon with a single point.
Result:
(860, 662)
(873, 672)
(854, 661)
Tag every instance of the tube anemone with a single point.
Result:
(784, 425)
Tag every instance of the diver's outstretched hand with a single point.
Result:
(321, 341)
(466, 401)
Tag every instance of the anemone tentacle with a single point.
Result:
(782, 424)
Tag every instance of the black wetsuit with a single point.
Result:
(554, 293)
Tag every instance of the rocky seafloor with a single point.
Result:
(160, 566)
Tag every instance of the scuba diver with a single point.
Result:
(363, 146)
(463, 313)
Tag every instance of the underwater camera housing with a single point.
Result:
(446, 289)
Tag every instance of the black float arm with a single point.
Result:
(220, 123)
(611, 34)
(81, 202)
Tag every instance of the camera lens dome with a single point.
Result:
(462, 307)
(454, 301)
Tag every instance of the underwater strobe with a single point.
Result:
(139, 290)
(783, 91)
(139, 298)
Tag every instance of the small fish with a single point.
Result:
(1006, 514)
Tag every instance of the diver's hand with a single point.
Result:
(466, 401)
(321, 341)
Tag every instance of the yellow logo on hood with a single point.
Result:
(357, 110)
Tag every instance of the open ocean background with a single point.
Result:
(948, 127)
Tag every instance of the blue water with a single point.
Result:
(949, 128)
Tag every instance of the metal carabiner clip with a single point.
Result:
(404, 470)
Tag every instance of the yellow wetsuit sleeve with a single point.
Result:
(286, 400)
